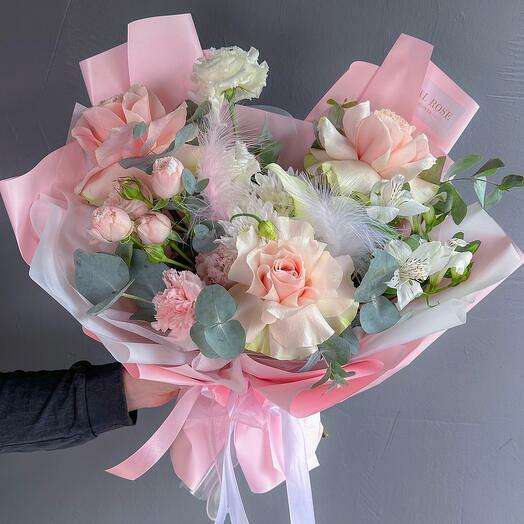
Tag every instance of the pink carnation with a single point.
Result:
(175, 306)
(213, 267)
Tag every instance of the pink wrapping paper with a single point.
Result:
(160, 53)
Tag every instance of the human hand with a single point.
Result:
(142, 393)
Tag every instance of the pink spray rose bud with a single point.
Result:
(153, 228)
(110, 224)
(166, 178)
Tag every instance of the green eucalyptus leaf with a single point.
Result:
(380, 271)
(145, 312)
(147, 276)
(99, 275)
(193, 203)
(109, 301)
(489, 168)
(139, 129)
(201, 185)
(199, 338)
(200, 111)
(354, 343)
(335, 349)
(511, 181)
(378, 315)
(124, 250)
(189, 181)
(183, 136)
(461, 165)
(227, 339)
(214, 305)
(434, 173)
(311, 362)
(143, 163)
(200, 230)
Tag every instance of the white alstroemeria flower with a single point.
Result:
(415, 267)
(228, 70)
(254, 206)
(457, 260)
(388, 200)
(269, 188)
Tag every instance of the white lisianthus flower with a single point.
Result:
(229, 71)
(269, 188)
(415, 267)
(388, 200)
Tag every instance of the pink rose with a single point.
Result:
(166, 178)
(288, 289)
(134, 208)
(110, 224)
(375, 145)
(213, 267)
(105, 132)
(175, 306)
(153, 228)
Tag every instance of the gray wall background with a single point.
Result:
(441, 442)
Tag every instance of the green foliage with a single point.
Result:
(139, 129)
(204, 236)
(461, 165)
(381, 269)
(124, 250)
(378, 315)
(146, 276)
(215, 331)
(189, 181)
(267, 149)
(434, 173)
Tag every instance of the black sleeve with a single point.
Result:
(58, 409)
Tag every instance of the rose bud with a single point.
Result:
(110, 224)
(153, 228)
(166, 178)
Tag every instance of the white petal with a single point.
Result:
(352, 118)
(400, 250)
(460, 261)
(407, 291)
(353, 175)
(335, 144)
(411, 207)
(383, 214)
(421, 190)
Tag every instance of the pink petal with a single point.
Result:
(163, 131)
(373, 139)
(352, 118)
(119, 145)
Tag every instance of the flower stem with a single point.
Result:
(175, 247)
(134, 297)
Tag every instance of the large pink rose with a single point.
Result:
(375, 145)
(292, 294)
(105, 132)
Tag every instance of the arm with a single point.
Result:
(59, 409)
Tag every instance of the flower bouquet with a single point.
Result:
(270, 267)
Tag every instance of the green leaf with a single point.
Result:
(99, 275)
(378, 315)
(180, 138)
(489, 168)
(200, 230)
(124, 250)
(480, 185)
(445, 206)
(354, 343)
(146, 312)
(472, 247)
(200, 111)
(175, 237)
(198, 337)
(214, 305)
(206, 243)
(109, 301)
(227, 339)
(311, 362)
(492, 198)
(201, 185)
(335, 115)
(269, 149)
(381, 269)
(143, 163)
(189, 181)
(161, 204)
(147, 276)
(193, 203)
(461, 165)
(459, 209)
(139, 129)
(510, 181)
(335, 349)
(434, 173)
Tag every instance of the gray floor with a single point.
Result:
(442, 442)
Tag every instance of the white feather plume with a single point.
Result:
(339, 221)
(218, 145)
